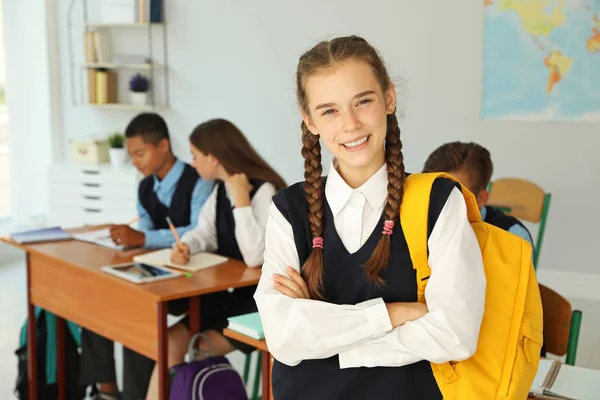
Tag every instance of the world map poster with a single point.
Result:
(541, 60)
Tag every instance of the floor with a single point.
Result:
(13, 311)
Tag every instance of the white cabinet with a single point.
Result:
(91, 195)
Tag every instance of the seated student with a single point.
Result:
(232, 224)
(472, 165)
(170, 188)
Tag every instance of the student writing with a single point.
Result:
(231, 223)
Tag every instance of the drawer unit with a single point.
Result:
(92, 195)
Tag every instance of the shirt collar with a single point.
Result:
(483, 212)
(338, 192)
(171, 179)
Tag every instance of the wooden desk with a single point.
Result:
(65, 279)
(267, 362)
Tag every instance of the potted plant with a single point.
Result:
(138, 87)
(116, 151)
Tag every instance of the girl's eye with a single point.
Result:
(328, 112)
(364, 101)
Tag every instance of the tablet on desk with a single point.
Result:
(140, 273)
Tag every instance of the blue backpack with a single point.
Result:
(45, 325)
(210, 378)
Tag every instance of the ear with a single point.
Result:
(390, 98)
(309, 123)
(213, 160)
(483, 198)
(164, 145)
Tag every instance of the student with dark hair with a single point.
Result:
(171, 188)
(471, 164)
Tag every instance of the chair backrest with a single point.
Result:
(525, 199)
(557, 321)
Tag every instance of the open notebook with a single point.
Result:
(197, 262)
(100, 237)
(566, 382)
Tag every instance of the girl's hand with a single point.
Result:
(240, 188)
(293, 287)
(180, 255)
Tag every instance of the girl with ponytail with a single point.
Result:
(338, 291)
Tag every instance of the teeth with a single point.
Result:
(357, 143)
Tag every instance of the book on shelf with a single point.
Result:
(106, 86)
(92, 85)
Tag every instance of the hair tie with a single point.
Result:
(318, 242)
(388, 227)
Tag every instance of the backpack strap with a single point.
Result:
(414, 213)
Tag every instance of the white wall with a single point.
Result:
(237, 60)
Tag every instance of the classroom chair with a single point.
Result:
(561, 325)
(524, 200)
(257, 373)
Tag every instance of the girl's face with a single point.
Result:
(348, 110)
(205, 164)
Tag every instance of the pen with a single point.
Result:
(136, 219)
(181, 247)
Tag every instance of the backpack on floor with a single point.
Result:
(45, 329)
(508, 351)
(210, 378)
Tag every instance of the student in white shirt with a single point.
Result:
(338, 290)
(231, 223)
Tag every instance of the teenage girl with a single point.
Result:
(231, 223)
(338, 290)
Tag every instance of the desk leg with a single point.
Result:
(31, 343)
(266, 376)
(61, 365)
(163, 355)
(194, 315)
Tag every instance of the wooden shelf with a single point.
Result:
(146, 66)
(125, 106)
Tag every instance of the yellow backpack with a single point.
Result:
(510, 339)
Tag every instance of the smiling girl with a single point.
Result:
(337, 296)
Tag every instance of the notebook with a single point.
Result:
(100, 237)
(247, 324)
(566, 382)
(197, 261)
(52, 234)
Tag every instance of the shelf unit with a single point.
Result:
(153, 69)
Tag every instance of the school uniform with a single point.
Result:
(179, 195)
(497, 218)
(236, 233)
(345, 346)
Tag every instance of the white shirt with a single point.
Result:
(250, 223)
(361, 334)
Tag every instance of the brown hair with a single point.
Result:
(325, 55)
(470, 157)
(227, 143)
